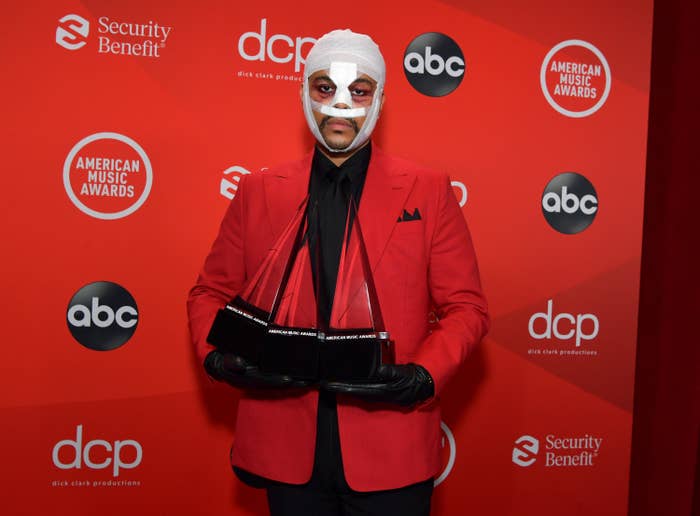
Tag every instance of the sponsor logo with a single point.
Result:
(525, 451)
(460, 187)
(72, 32)
(107, 176)
(569, 451)
(229, 183)
(449, 446)
(116, 36)
(575, 78)
(96, 454)
(563, 326)
(569, 203)
(102, 316)
(280, 49)
(434, 64)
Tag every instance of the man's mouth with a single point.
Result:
(338, 123)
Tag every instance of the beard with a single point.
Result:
(334, 145)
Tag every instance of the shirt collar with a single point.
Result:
(355, 167)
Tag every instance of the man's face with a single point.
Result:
(339, 132)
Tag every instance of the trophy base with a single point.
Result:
(291, 351)
(302, 353)
(239, 328)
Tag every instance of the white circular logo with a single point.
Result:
(575, 78)
(462, 197)
(452, 449)
(107, 175)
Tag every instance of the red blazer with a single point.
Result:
(419, 266)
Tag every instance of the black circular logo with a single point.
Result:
(434, 64)
(569, 203)
(102, 316)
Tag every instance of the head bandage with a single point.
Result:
(346, 55)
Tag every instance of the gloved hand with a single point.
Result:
(238, 372)
(404, 384)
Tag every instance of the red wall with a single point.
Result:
(194, 114)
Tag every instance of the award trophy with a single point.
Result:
(275, 322)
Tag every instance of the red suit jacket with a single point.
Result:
(419, 266)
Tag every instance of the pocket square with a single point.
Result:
(408, 217)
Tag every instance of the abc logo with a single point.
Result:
(102, 316)
(525, 451)
(569, 203)
(434, 64)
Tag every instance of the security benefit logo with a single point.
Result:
(107, 176)
(575, 78)
(434, 64)
(557, 451)
(229, 182)
(72, 32)
(115, 36)
(95, 462)
(569, 203)
(102, 316)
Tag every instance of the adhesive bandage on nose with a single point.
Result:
(342, 75)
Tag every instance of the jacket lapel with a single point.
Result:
(383, 198)
(384, 195)
(285, 188)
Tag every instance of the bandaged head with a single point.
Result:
(345, 56)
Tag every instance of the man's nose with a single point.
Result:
(343, 99)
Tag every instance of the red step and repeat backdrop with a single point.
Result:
(127, 126)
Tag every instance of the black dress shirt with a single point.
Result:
(330, 190)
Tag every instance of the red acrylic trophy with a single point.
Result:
(274, 321)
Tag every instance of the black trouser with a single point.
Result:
(328, 494)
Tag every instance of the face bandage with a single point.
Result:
(346, 56)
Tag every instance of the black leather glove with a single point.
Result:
(236, 371)
(405, 385)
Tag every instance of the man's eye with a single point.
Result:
(325, 88)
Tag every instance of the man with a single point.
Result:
(349, 447)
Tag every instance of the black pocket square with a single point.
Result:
(408, 217)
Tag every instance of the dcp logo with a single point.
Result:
(82, 454)
(448, 444)
(525, 451)
(574, 326)
(72, 31)
(434, 64)
(102, 316)
(569, 203)
(279, 48)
